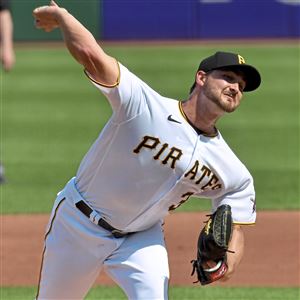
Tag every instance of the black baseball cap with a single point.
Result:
(232, 61)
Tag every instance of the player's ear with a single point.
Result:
(200, 77)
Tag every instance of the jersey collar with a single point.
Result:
(199, 131)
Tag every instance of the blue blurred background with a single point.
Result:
(170, 19)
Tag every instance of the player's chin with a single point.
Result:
(228, 104)
(233, 104)
(229, 107)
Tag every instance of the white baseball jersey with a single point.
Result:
(149, 159)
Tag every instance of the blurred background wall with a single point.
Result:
(87, 11)
(170, 19)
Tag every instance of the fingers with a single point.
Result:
(45, 25)
(8, 65)
(53, 3)
(45, 17)
(46, 9)
(40, 9)
(8, 59)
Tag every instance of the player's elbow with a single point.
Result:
(93, 60)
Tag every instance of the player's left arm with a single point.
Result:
(220, 247)
(243, 208)
(236, 247)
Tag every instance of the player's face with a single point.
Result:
(224, 88)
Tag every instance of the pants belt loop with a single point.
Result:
(95, 217)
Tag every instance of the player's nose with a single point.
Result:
(234, 88)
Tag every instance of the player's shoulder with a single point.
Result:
(129, 75)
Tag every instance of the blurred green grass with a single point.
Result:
(51, 114)
(182, 293)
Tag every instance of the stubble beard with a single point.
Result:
(216, 98)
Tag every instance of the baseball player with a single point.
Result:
(152, 155)
(7, 53)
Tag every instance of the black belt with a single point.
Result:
(86, 210)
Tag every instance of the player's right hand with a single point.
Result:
(46, 17)
(7, 58)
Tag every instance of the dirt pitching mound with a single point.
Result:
(271, 253)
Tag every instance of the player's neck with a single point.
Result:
(200, 115)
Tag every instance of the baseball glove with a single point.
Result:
(213, 245)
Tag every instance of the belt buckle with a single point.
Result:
(118, 233)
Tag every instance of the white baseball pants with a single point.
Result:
(76, 250)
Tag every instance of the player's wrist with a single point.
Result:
(61, 14)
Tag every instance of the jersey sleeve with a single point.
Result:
(126, 96)
(242, 202)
